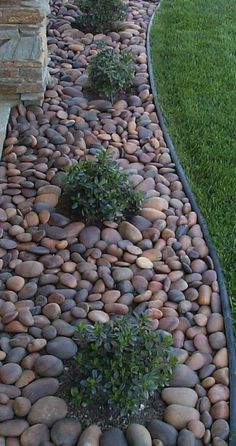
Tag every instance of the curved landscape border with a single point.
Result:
(187, 188)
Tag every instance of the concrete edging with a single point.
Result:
(223, 290)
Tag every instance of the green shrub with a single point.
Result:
(99, 190)
(99, 16)
(111, 72)
(122, 363)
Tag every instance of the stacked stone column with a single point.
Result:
(23, 50)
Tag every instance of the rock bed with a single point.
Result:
(56, 273)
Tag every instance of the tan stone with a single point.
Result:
(221, 358)
(130, 232)
(144, 263)
(152, 214)
(51, 199)
(179, 416)
(173, 395)
(157, 203)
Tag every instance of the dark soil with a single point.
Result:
(64, 208)
(103, 416)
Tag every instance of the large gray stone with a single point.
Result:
(114, 437)
(163, 431)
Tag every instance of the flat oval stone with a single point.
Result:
(63, 328)
(29, 269)
(169, 323)
(9, 390)
(89, 236)
(62, 347)
(176, 295)
(163, 431)
(186, 437)
(138, 435)
(157, 203)
(173, 395)
(183, 376)
(218, 392)
(35, 435)
(144, 263)
(47, 411)
(220, 428)
(6, 412)
(13, 428)
(90, 436)
(15, 283)
(215, 323)
(122, 274)
(179, 416)
(111, 236)
(10, 373)
(52, 311)
(40, 388)
(21, 406)
(51, 261)
(98, 316)
(66, 431)
(7, 244)
(48, 365)
(113, 436)
(130, 232)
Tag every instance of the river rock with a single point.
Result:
(48, 365)
(163, 431)
(66, 431)
(47, 411)
(90, 436)
(6, 412)
(10, 373)
(186, 437)
(98, 316)
(113, 436)
(89, 236)
(173, 395)
(62, 347)
(130, 232)
(35, 435)
(122, 274)
(13, 428)
(21, 406)
(138, 435)
(183, 376)
(179, 416)
(9, 390)
(40, 388)
(29, 269)
(220, 428)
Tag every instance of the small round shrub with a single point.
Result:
(99, 190)
(111, 72)
(99, 16)
(122, 363)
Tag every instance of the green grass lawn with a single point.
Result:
(194, 58)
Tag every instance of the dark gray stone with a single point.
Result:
(113, 436)
(40, 388)
(66, 431)
(185, 438)
(62, 347)
(163, 431)
(183, 376)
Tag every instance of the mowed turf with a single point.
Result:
(193, 45)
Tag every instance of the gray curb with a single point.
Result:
(223, 291)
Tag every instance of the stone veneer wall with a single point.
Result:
(23, 49)
(23, 55)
